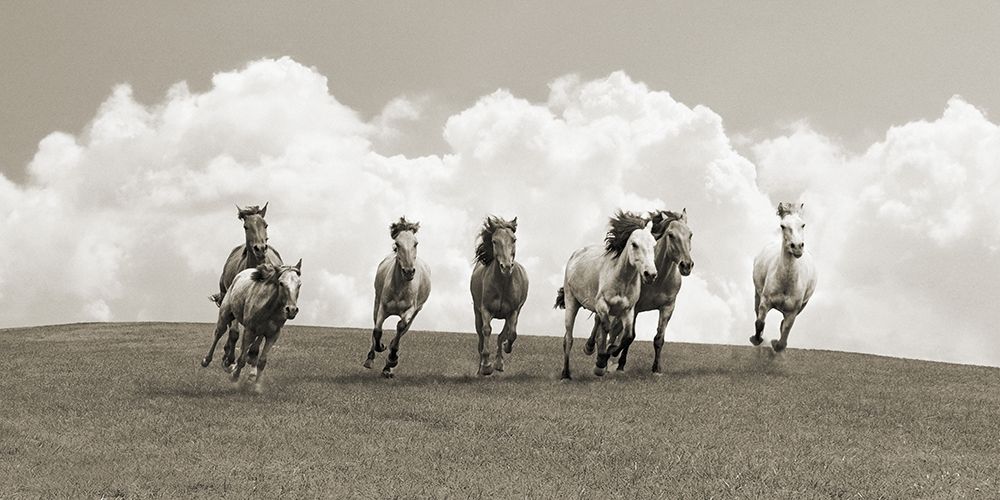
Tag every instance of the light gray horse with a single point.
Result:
(261, 300)
(607, 280)
(402, 285)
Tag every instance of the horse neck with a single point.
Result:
(272, 305)
(498, 277)
(787, 263)
(396, 279)
(666, 264)
(625, 269)
(251, 259)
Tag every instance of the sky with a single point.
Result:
(128, 132)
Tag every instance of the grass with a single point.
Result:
(125, 410)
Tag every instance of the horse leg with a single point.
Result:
(786, 327)
(661, 327)
(254, 351)
(403, 326)
(504, 340)
(220, 328)
(377, 345)
(607, 323)
(485, 367)
(262, 358)
(761, 309)
(588, 348)
(572, 307)
(628, 331)
(511, 333)
(229, 358)
(248, 338)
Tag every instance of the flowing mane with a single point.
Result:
(622, 225)
(484, 250)
(785, 208)
(662, 218)
(251, 210)
(402, 225)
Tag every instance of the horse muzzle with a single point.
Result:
(685, 268)
(259, 251)
(291, 311)
(408, 274)
(648, 277)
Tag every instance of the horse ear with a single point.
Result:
(513, 224)
(239, 211)
(684, 214)
(264, 210)
(416, 227)
(801, 206)
(298, 267)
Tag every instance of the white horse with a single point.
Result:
(402, 285)
(261, 299)
(784, 276)
(607, 280)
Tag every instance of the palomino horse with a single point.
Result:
(260, 299)
(499, 288)
(607, 281)
(254, 252)
(784, 276)
(402, 284)
(673, 260)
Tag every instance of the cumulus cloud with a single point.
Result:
(133, 218)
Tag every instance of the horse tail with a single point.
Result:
(560, 299)
(217, 298)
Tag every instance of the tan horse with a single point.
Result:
(260, 299)
(499, 288)
(607, 280)
(252, 253)
(784, 276)
(402, 285)
(673, 260)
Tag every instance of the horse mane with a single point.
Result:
(622, 225)
(484, 250)
(251, 210)
(786, 208)
(402, 225)
(662, 218)
(264, 272)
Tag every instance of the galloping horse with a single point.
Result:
(784, 276)
(673, 260)
(607, 281)
(499, 288)
(254, 252)
(260, 299)
(402, 284)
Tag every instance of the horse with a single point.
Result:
(402, 285)
(784, 276)
(252, 253)
(261, 299)
(499, 287)
(673, 260)
(607, 281)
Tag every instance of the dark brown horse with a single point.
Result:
(261, 299)
(499, 288)
(252, 253)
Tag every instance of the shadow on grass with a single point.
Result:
(374, 377)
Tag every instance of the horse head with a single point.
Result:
(497, 241)
(404, 245)
(289, 281)
(792, 228)
(673, 226)
(255, 228)
(632, 235)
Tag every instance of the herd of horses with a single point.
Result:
(638, 268)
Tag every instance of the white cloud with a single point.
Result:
(133, 218)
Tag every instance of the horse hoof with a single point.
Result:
(777, 346)
(391, 363)
(486, 370)
(620, 367)
(387, 373)
(229, 368)
(756, 340)
(565, 377)
(205, 362)
(508, 346)
(588, 349)
(380, 347)
(498, 367)
(368, 363)
(598, 371)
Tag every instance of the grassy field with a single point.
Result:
(125, 410)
